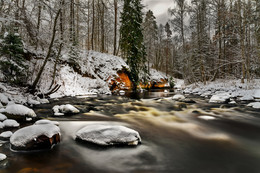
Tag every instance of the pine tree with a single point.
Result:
(13, 64)
(150, 36)
(132, 39)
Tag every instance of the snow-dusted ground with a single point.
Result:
(222, 90)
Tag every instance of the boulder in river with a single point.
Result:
(10, 123)
(256, 94)
(35, 137)
(255, 105)
(17, 111)
(6, 134)
(2, 117)
(178, 97)
(220, 98)
(46, 122)
(2, 157)
(108, 135)
(60, 110)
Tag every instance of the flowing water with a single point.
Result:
(174, 137)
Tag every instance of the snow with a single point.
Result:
(22, 136)
(2, 117)
(255, 105)
(245, 92)
(31, 101)
(2, 157)
(46, 122)
(3, 98)
(60, 110)
(2, 125)
(11, 123)
(108, 135)
(205, 117)
(18, 109)
(178, 97)
(256, 94)
(6, 134)
(220, 98)
(43, 101)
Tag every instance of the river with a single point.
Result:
(175, 137)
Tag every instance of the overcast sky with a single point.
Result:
(159, 8)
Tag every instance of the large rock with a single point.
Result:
(108, 135)
(2, 117)
(10, 123)
(18, 110)
(46, 122)
(35, 137)
(255, 105)
(2, 157)
(178, 97)
(256, 94)
(220, 98)
(64, 109)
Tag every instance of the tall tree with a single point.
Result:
(132, 45)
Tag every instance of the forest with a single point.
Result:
(116, 86)
(202, 41)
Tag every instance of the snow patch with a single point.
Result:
(178, 97)
(3, 98)
(205, 117)
(2, 125)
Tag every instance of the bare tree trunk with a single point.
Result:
(33, 87)
(115, 27)
(38, 25)
(93, 24)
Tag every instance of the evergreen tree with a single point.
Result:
(13, 64)
(150, 36)
(132, 39)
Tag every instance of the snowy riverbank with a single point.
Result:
(223, 91)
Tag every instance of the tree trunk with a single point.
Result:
(115, 27)
(33, 87)
(93, 24)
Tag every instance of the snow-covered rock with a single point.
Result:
(1, 105)
(2, 117)
(205, 117)
(2, 125)
(6, 134)
(256, 94)
(220, 98)
(246, 98)
(3, 98)
(20, 110)
(255, 105)
(108, 135)
(122, 92)
(232, 102)
(178, 97)
(64, 109)
(31, 101)
(33, 137)
(46, 122)
(2, 157)
(43, 101)
(11, 123)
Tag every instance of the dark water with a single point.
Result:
(174, 138)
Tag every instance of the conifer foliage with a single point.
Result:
(13, 64)
(132, 39)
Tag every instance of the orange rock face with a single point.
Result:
(123, 82)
